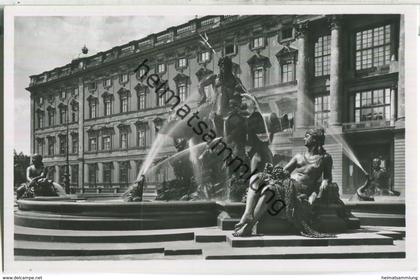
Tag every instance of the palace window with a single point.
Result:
(108, 106)
(40, 146)
(124, 103)
(106, 143)
(286, 33)
(51, 141)
(322, 56)
(75, 143)
(75, 112)
(141, 136)
(161, 98)
(107, 83)
(373, 47)
(51, 115)
(182, 92)
(63, 144)
(74, 174)
(107, 175)
(63, 115)
(207, 92)
(63, 94)
(182, 63)
(93, 143)
(257, 43)
(230, 48)
(91, 86)
(124, 166)
(288, 70)
(322, 110)
(124, 78)
(258, 77)
(141, 74)
(40, 119)
(93, 174)
(92, 109)
(204, 57)
(141, 100)
(161, 68)
(372, 105)
(124, 139)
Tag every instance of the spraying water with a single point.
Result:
(160, 140)
(335, 134)
(251, 97)
(192, 149)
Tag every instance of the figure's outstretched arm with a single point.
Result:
(327, 172)
(28, 174)
(291, 165)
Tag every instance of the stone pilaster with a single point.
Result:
(304, 110)
(401, 73)
(336, 85)
(32, 125)
(81, 134)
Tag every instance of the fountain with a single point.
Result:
(220, 144)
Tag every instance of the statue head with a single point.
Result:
(315, 136)
(376, 163)
(37, 159)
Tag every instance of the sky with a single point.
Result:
(44, 43)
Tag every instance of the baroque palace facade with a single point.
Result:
(343, 72)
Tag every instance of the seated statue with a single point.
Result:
(37, 183)
(377, 183)
(292, 190)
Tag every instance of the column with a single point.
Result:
(336, 85)
(81, 134)
(32, 125)
(81, 178)
(115, 172)
(304, 111)
(86, 174)
(401, 73)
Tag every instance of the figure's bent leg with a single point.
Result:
(261, 207)
(251, 200)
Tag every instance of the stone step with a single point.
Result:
(321, 252)
(380, 219)
(85, 236)
(294, 240)
(34, 248)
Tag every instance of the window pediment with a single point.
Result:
(182, 78)
(124, 92)
(92, 98)
(141, 124)
(259, 60)
(107, 95)
(51, 109)
(286, 53)
(141, 88)
(203, 72)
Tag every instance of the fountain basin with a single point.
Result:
(113, 214)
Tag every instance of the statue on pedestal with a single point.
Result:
(291, 191)
(377, 184)
(37, 182)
